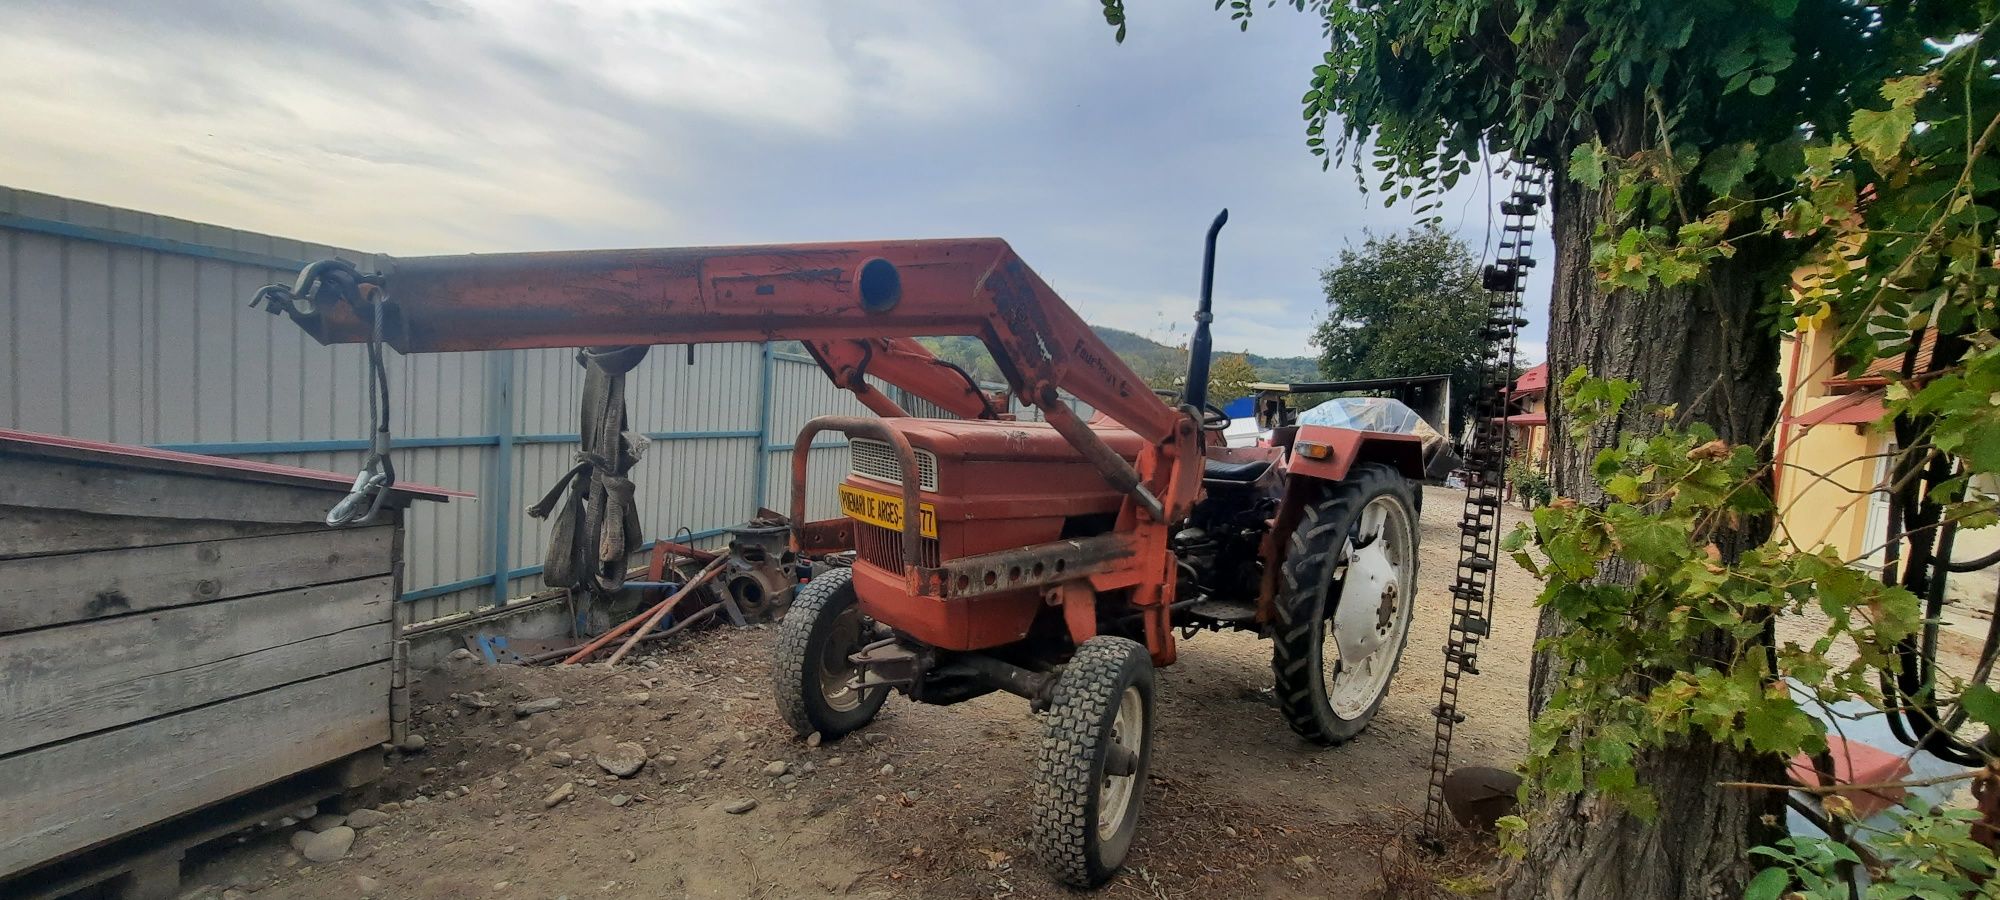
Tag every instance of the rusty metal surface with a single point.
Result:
(1029, 567)
(36, 444)
(661, 548)
(883, 548)
(762, 568)
(1115, 469)
(853, 426)
(976, 287)
(888, 663)
(1404, 452)
(824, 537)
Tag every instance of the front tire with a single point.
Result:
(1097, 744)
(1349, 584)
(810, 666)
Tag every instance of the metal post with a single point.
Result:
(763, 452)
(500, 411)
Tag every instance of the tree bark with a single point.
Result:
(1707, 348)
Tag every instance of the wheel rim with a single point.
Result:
(1373, 614)
(1114, 792)
(836, 673)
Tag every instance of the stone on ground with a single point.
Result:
(623, 760)
(531, 707)
(329, 845)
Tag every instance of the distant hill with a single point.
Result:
(1148, 357)
(1160, 364)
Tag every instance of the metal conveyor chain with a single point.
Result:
(1486, 471)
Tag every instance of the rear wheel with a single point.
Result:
(814, 679)
(1349, 583)
(1096, 746)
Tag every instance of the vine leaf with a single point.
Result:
(1906, 90)
(1727, 167)
(1586, 165)
(1880, 133)
(1982, 703)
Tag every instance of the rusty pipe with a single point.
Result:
(854, 426)
(661, 609)
(1113, 467)
(876, 401)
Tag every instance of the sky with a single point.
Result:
(411, 127)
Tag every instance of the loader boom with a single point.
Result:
(855, 306)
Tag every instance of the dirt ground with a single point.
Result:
(927, 802)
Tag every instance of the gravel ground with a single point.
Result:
(927, 802)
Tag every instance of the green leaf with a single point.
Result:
(1762, 85)
(1982, 703)
(1727, 167)
(1880, 133)
(1906, 90)
(1769, 884)
(1586, 165)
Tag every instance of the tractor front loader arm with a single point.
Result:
(856, 306)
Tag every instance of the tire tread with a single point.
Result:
(1063, 829)
(793, 670)
(1311, 558)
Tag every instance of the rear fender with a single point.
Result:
(1346, 446)
(1305, 477)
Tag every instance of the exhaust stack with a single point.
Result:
(1195, 393)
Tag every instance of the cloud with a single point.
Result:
(429, 126)
(434, 127)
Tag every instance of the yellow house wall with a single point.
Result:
(1832, 509)
(1533, 440)
(1822, 475)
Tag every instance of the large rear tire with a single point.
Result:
(1344, 615)
(810, 666)
(1097, 743)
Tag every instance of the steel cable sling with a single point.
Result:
(1486, 471)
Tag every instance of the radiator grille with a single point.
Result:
(877, 460)
(883, 548)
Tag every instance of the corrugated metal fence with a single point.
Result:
(129, 327)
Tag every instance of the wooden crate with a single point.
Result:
(176, 632)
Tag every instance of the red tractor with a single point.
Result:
(1052, 560)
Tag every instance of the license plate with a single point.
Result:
(884, 510)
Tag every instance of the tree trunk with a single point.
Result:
(1706, 348)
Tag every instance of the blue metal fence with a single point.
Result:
(131, 327)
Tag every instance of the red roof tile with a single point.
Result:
(1853, 409)
(1535, 380)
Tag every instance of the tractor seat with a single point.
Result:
(1217, 470)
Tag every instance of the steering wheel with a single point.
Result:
(1212, 416)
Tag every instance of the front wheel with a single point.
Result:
(813, 676)
(1096, 746)
(1350, 577)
